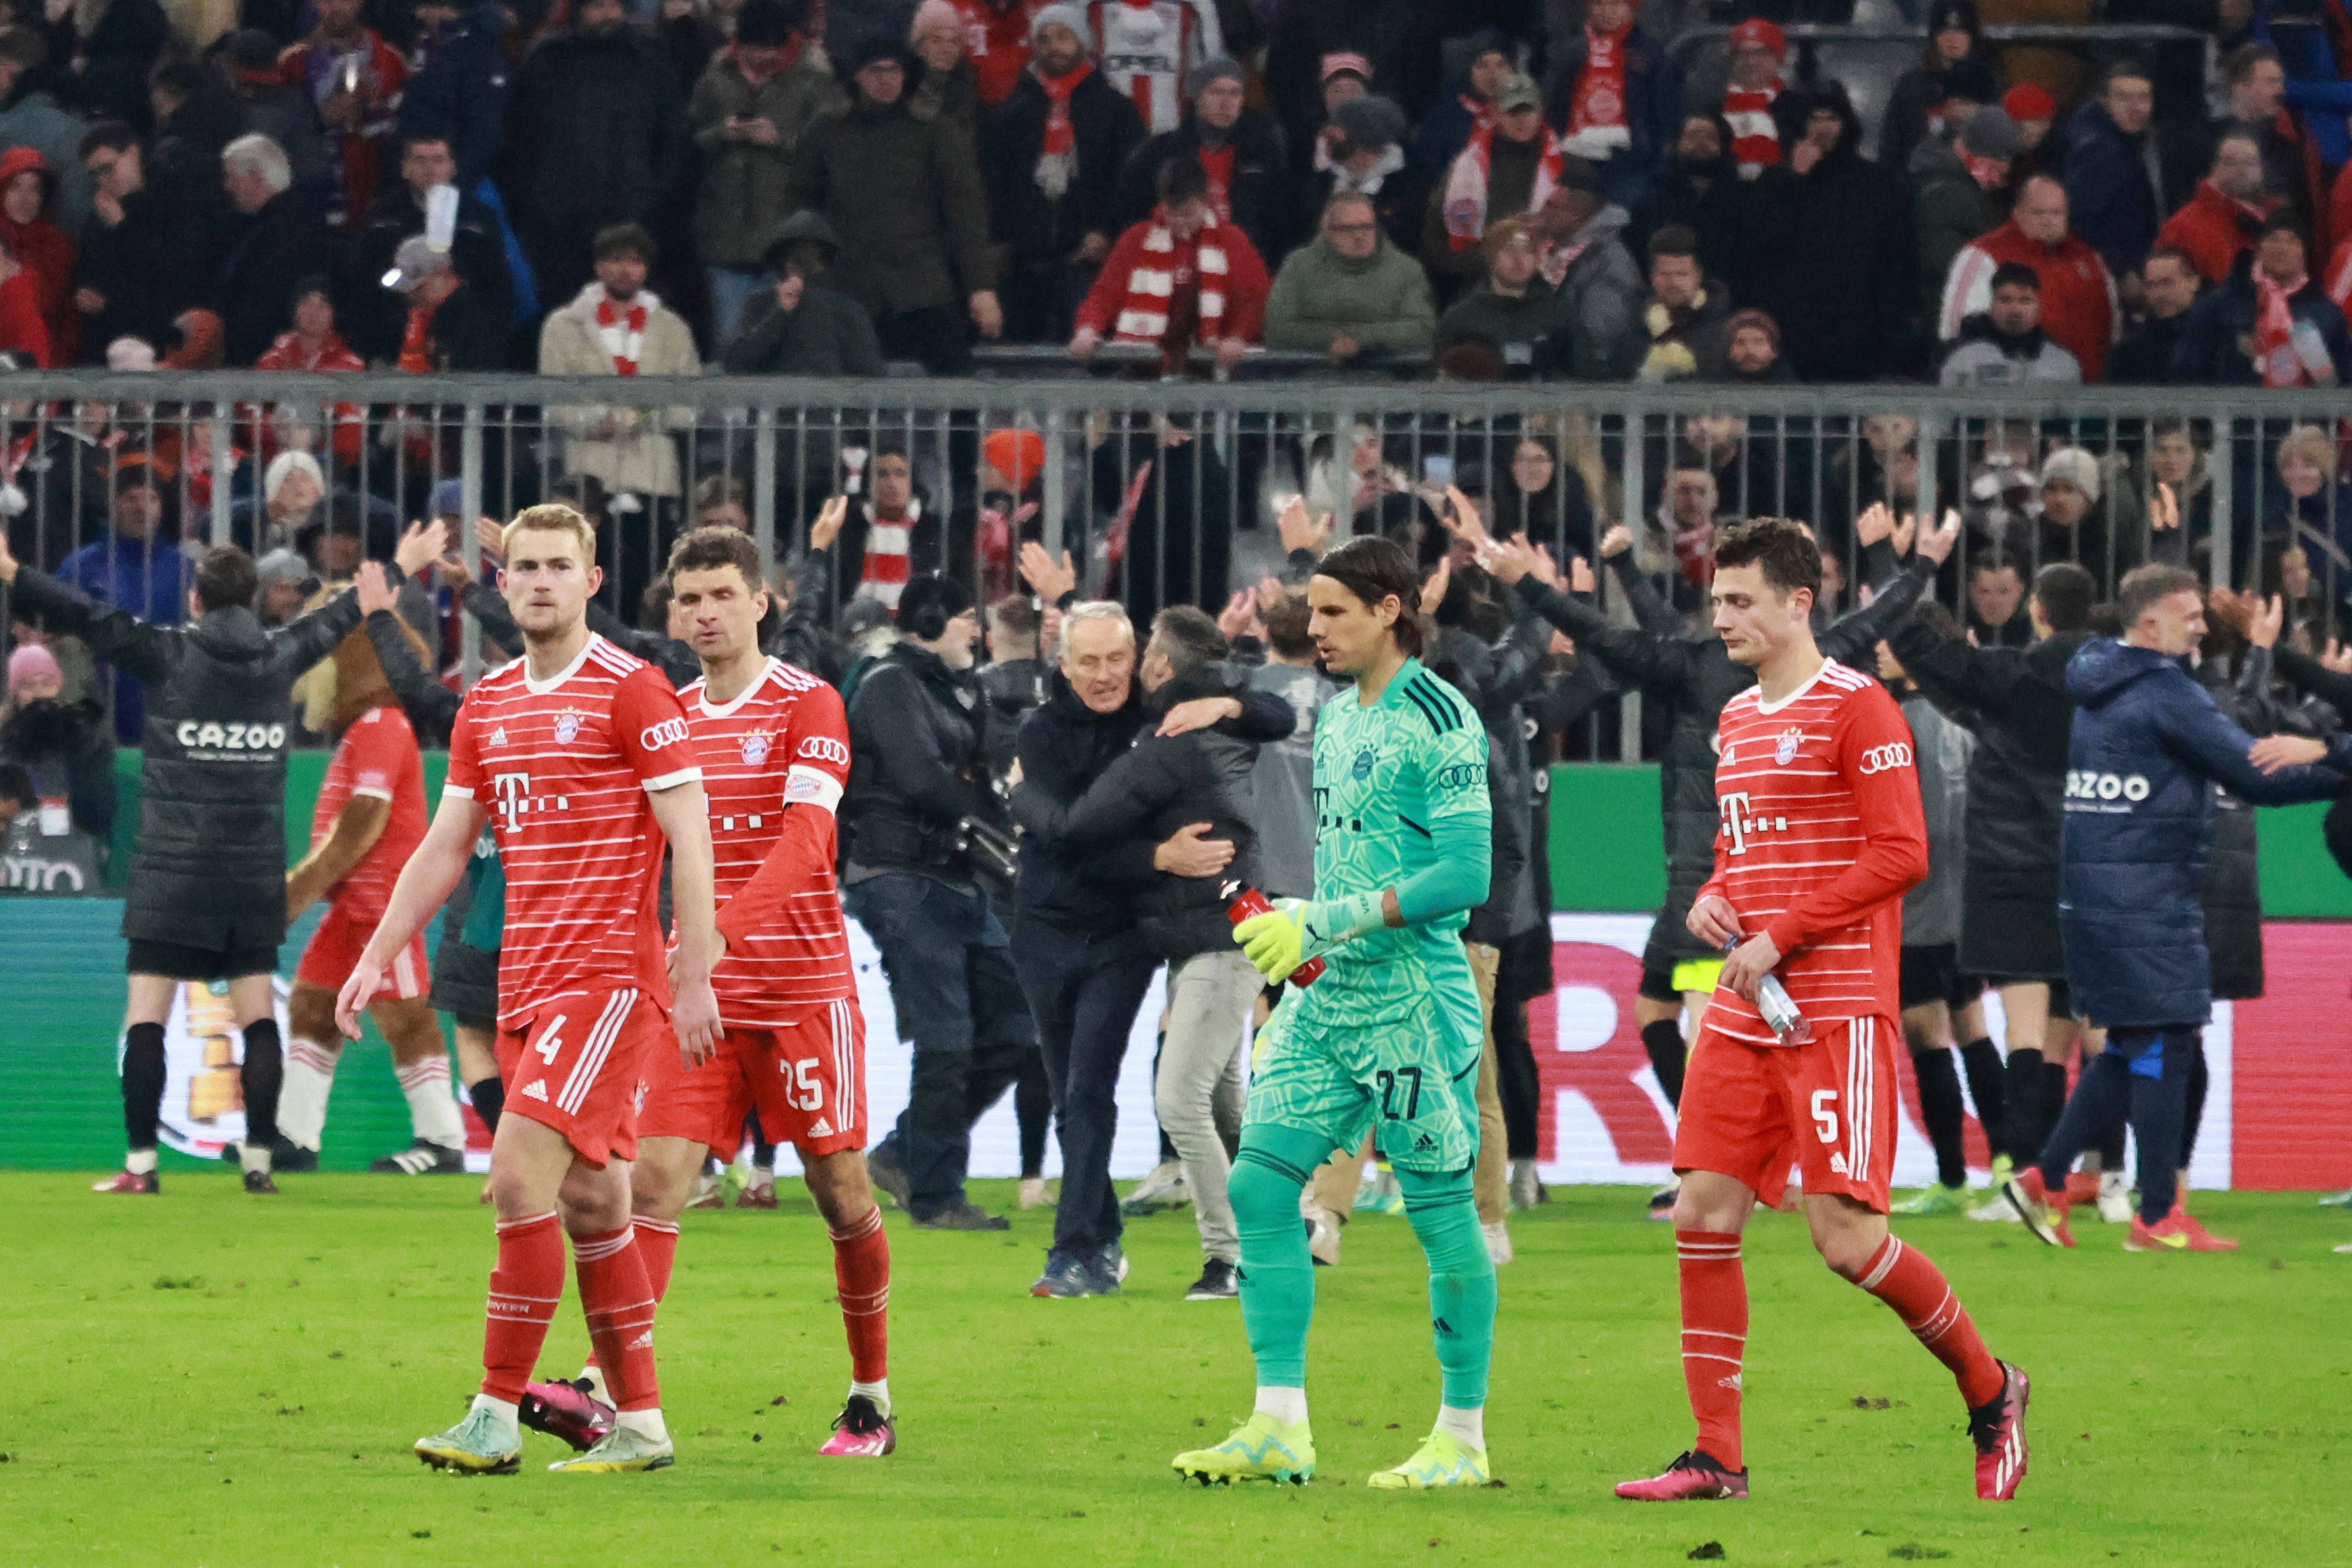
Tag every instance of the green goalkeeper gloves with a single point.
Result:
(1297, 931)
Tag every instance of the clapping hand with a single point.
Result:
(1300, 529)
(1046, 579)
(827, 526)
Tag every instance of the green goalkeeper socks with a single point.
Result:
(1461, 1281)
(1277, 1274)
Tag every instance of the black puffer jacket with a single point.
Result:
(1065, 747)
(917, 765)
(210, 868)
(2232, 890)
(1165, 782)
(2017, 781)
(1695, 677)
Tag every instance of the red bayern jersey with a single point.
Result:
(564, 768)
(1822, 834)
(775, 762)
(378, 759)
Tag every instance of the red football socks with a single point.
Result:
(658, 1245)
(619, 1306)
(861, 1272)
(1905, 1279)
(1715, 1336)
(524, 1288)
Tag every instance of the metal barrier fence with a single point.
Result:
(1168, 491)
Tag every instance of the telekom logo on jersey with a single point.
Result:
(514, 797)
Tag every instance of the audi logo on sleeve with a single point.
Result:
(669, 732)
(825, 748)
(1879, 759)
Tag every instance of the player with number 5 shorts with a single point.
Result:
(1387, 1039)
(772, 742)
(1821, 833)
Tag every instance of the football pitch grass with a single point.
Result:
(208, 1378)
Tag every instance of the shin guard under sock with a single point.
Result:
(861, 1278)
(1663, 1041)
(262, 1076)
(1715, 1337)
(524, 1287)
(1940, 1108)
(2026, 1130)
(143, 1083)
(1444, 1216)
(1981, 1061)
(310, 1084)
(2053, 1097)
(618, 1302)
(1276, 1273)
(1905, 1279)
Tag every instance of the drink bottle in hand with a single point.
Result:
(1775, 1006)
(1242, 902)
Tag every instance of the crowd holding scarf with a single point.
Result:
(1057, 163)
(622, 328)
(1174, 278)
(1467, 217)
(1597, 124)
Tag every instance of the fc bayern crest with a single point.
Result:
(567, 728)
(755, 748)
(1786, 751)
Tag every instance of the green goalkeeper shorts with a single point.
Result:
(1406, 1082)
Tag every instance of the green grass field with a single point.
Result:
(205, 1378)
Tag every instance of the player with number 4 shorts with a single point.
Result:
(772, 742)
(1821, 833)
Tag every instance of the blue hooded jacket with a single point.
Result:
(2147, 747)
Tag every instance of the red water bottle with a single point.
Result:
(1241, 902)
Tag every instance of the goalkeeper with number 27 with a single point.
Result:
(1386, 1039)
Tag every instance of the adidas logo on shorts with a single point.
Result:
(822, 1129)
(535, 1090)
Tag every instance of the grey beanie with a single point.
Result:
(1217, 68)
(1074, 17)
(1991, 133)
(1370, 121)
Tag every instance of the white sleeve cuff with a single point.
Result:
(672, 781)
(373, 793)
(455, 793)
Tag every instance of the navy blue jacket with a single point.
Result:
(2112, 200)
(457, 87)
(2148, 745)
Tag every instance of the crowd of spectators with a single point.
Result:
(1393, 187)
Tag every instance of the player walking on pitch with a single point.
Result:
(1822, 834)
(772, 742)
(1387, 1039)
(575, 751)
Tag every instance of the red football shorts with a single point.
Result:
(577, 1067)
(1827, 1106)
(806, 1080)
(334, 952)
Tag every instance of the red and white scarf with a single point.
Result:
(888, 541)
(1466, 185)
(1156, 284)
(623, 328)
(1058, 160)
(2275, 354)
(1599, 102)
(1755, 140)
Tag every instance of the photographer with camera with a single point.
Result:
(917, 813)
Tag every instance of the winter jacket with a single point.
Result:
(33, 122)
(1498, 679)
(1382, 301)
(1695, 677)
(282, 245)
(1948, 209)
(641, 457)
(69, 749)
(145, 578)
(1829, 255)
(210, 868)
(1511, 171)
(2232, 890)
(1983, 357)
(1670, 345)
(1150, 792)
(1030, 224)
(905, 195)
(827, 334)
(2147, 746)
(1940, 750)
(1013, 686)
(2212, 231)
(2144, 355)
(1257, 189)
(1602, 288)
(45, 248)
(2016, 781)
(1535, 333)
(140, 266)
(2114, 186)
(595, 135)
(2079, 307)
(1708, 199)
(918, 765)
(1918, 93)
(2217, 333)
(744, 192)
(1653, 108)
(458, 82)
(373, 316)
